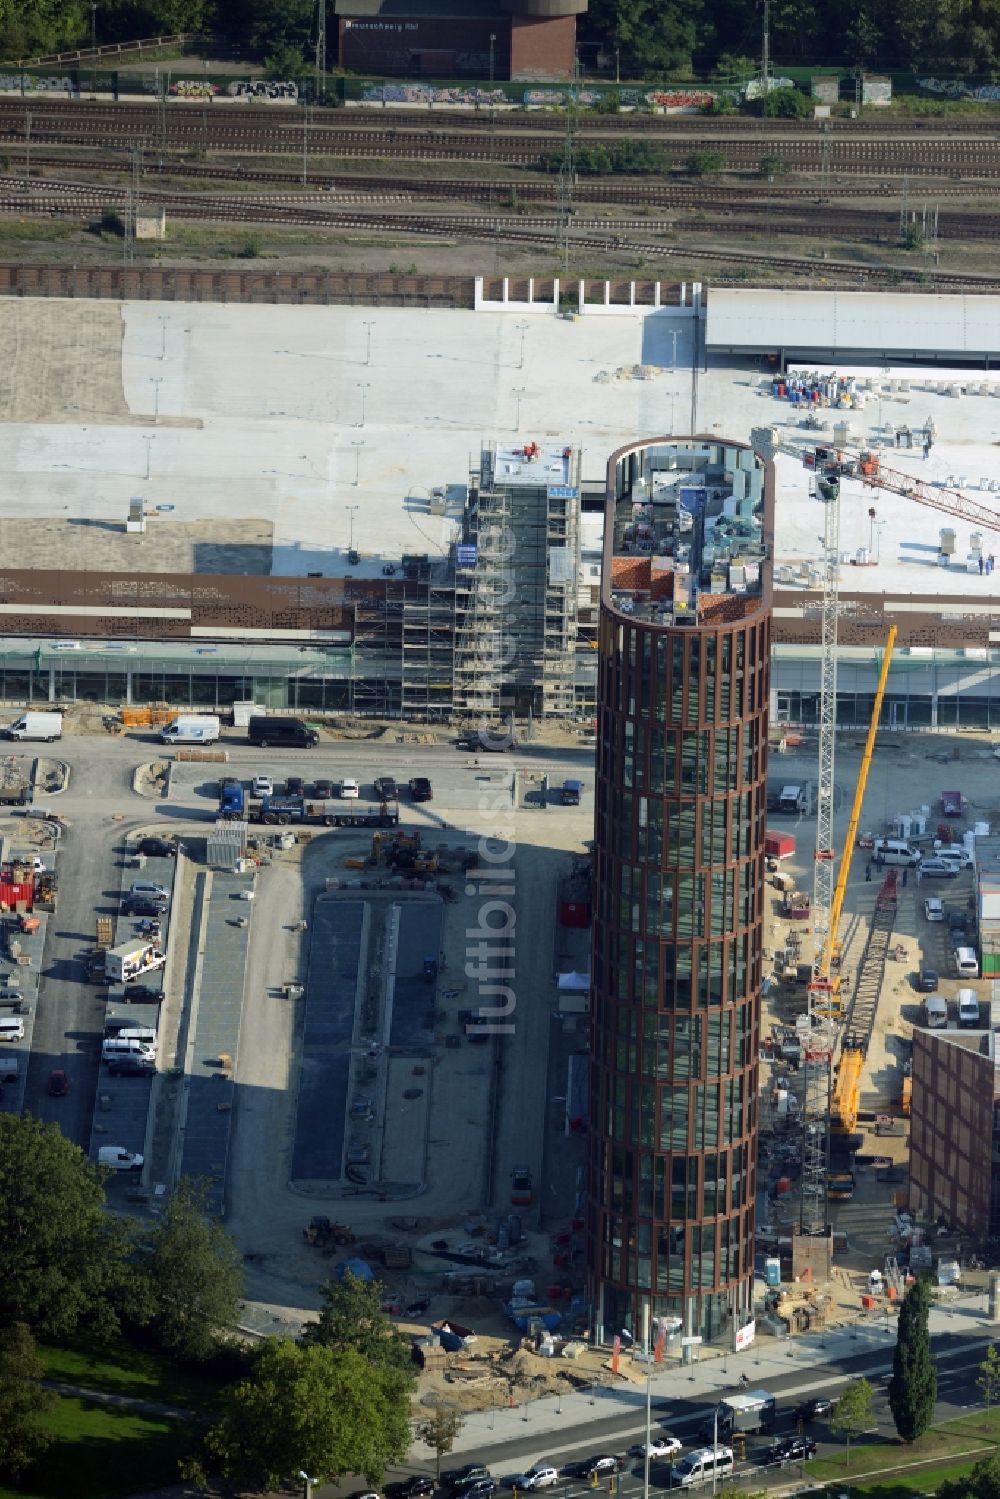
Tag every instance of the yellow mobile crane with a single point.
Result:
(825, 983)
(827, 1111)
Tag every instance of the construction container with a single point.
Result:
(779, 845)
(772, 1271)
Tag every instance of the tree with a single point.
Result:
(316, 1408)
(64, 1257)
(913, 1386)
(983, 1482)
(193, 1276)
(439, 1432)
(786, 104)
(853, 1412)
(989, 1375)
(705, 163)
(23, 1401)
(352, 1318)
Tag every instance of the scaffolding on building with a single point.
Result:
(516, 585)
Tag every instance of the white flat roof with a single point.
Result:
(264, 409)
(855, 322)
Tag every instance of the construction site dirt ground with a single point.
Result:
(908, 772)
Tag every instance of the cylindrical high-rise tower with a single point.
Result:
(684, 659)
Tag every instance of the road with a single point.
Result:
(587, 1433)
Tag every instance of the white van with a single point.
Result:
(114, 1031)
(894, 851)
(44, 726)
(701, 1466)
(11, 1028)
(115, 1047)
(966, 963)
(955, 851)
(118, 1158)
(192, 728)
(935, 1011)
(968, 1007)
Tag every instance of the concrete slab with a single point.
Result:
(271, 414)
(406, 1123)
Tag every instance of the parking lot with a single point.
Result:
(934, 915)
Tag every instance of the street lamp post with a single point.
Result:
(368, 345)
(522, 328)
(518, 393)
(156, 382)
(673, 357)
(148, 440)
(364, 389)
(357, 445)
(350, 511)
(163, 334)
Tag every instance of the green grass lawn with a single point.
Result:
(100, 1452)
(949, 1450)
(119, 1369)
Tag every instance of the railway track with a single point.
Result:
(969, 160)
(324, 209)
(534, 122)
(630, 191)
(615, 233)
(270, 132)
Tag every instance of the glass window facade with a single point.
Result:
(678, 904)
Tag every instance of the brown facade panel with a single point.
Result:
(951, 1131)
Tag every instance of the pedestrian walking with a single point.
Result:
(868, 870)
(990, 563)
(927, 448)
(918, 874)
(905, 873)
(982, 567)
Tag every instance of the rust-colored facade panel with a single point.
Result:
(951, 1130)
(865, 617)
(221, 601)
(681, 802)
(543, 48)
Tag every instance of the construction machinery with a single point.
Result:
(824, 990)
(321, 1233)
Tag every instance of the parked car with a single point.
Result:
(58, 1083)
(956, 922)
(659, 1447)
(349, 789)
(131, 1067)
(262, 786)
(601, 1465)
(939, 869)
(813, 1410)
(934, 909)
(157, 848)
(150, 908)
(540, 1476)
(143, 888)
(412, 1487)
(295, 786)
(323, 789)
(789, 1450)
(477, 1488)
(470, 1484)
(421, 789)
(926, 981)
(454, 1476)
(142, 994)
(386, 789)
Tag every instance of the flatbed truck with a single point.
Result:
(283, 810)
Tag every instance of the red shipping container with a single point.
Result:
(778, 845)
(574, 913)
